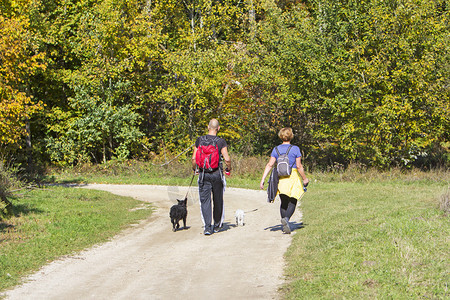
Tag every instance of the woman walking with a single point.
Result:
(290, 187)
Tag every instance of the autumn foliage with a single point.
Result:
(18, 63)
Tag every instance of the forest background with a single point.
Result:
(87, 81)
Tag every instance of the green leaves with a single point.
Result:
(364, 72)
(363, 81)
(99, 127)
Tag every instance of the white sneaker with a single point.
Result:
(286, 228)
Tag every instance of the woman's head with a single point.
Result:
(286, 134)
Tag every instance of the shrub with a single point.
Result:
(7, 181)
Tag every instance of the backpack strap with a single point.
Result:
(278, 152)
(206, 140)
(287, 152)
(203, 140)
(214, 141)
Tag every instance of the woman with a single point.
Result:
(290, 187)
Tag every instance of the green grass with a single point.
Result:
(370, 240)
(57, 221)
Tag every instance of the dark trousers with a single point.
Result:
(211, 183)
(287, 207)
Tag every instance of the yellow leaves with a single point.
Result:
(17, 62)
(15, 108)
(17, 65)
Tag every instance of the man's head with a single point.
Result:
(213, 126)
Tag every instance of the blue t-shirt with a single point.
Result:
(293, 153)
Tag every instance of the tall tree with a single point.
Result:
(19, 60)
(115, 46)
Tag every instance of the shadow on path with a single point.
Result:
(294, 226)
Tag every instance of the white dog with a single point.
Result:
(240, 215)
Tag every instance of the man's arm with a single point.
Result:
(194, 164)
(226, 158)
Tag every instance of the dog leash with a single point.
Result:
(190, 184)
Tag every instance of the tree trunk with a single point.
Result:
(252, 19)
(29, 148)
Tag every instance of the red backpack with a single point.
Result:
(208, 155)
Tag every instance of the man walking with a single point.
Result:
(206, 158)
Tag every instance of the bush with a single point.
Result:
(7, 181)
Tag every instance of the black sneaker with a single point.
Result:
(286, 228)
(207, 232)
(217, 229)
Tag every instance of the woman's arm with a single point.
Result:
(269, 166)
(301, 171)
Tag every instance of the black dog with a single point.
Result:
(178, 212)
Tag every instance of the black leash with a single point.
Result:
(192, 179)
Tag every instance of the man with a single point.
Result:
(211, 177)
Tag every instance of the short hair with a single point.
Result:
(213, 124)
(286, 134)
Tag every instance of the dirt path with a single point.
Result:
(149, 261)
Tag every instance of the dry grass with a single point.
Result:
(244, 168)
(356, 173)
